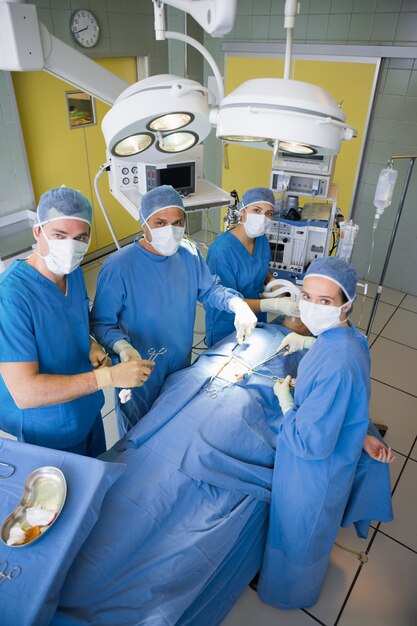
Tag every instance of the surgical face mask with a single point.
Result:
(320, 317)
(167, 239)
(64, 256)
(256, 225)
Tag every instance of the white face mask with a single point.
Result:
(256, 225)
(320, 317)
(167, 239)
(64, 256)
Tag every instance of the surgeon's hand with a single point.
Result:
(245, 320)
(97, 355)
(125, 351)
(127, 375)
(378, 450)
(295, 342)
(284, 395)
(285, 306)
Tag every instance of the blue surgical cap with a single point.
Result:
(258, 194)
(159, 198)
(64, 203)
(338, 270)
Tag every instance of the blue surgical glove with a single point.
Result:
(284, 395)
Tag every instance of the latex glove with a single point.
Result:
(97, 355)
(125, 351)
(245, 320)
(284, 395)
(378, 450)
(127, 374)
(296, 342)
(285, 306)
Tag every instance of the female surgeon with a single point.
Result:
(320, 438)
(239, 258)
(147, 296)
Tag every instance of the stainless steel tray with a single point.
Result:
(45, 488)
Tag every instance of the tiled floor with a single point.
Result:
(381, 592)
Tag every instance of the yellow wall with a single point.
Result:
(345, 81)
(58, 155)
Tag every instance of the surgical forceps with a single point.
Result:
(154, 353)
(126, 394)
(6, 473)
(278, 353)
(13, 573)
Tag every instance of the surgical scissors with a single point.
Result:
(153, 353)
(14, 572)
(7, 473)
(211, 392)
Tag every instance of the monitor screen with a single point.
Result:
(179, 176)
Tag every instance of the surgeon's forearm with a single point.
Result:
(30, 389)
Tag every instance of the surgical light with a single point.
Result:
(177, 142)
(296, 148)
(145, 115)
(133, 145)
(304, 118)
(172, 121)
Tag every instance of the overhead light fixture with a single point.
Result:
(296, 148)
(171, 121)
(145, 116)
(177, 142)
(303, 118)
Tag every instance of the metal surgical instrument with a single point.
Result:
(6, 470)
(283, 350)
(155, 353)
(13, 573)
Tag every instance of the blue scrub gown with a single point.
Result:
(150, 301)
(228, 259)
(318, 448)
(38, 323)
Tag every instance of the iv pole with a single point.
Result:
(394, 232)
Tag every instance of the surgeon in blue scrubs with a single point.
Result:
(49, 391)
(146, 298)
(239, 258)
(319, 440)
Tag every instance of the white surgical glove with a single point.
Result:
(245, 320)
(285, 306)
(284, 395)
(296, 342)
(125, 351)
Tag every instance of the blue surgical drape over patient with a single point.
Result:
(182, 532)
(150, 301)
(229, 260)
(318, 447)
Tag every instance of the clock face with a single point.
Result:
(84, 28)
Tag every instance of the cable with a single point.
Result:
(104, 168)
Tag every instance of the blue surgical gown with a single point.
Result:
(38, 323)
(228, 259)
(150, 301)
(318, 448)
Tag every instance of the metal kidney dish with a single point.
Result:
(43, 497)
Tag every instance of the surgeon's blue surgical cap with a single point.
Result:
(159, 198)
(64, 203)
(338, 270)
(258, 194)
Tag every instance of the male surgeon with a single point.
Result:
(147, 295)
(49, 391)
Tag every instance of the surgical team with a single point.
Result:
(56, 355)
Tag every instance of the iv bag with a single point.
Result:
(385, 189)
